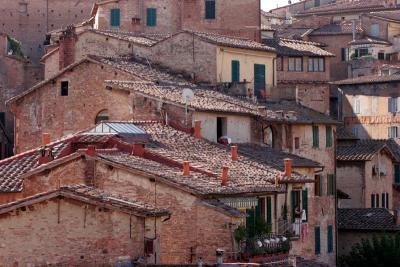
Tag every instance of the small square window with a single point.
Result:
(64, 88)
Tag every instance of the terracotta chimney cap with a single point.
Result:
(288, 167)
(234, 152)
(91, 151)
(186, 168)
(197, 129)
(46, 139)
(224, 178)
(138, 149)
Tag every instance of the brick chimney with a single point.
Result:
(224, 177)
(234, 152)
(91, 151)
(46, 139)
(186, 168)
(67, 47)
(288, 167)
(45, 155)
(138, 149)
(197, 129)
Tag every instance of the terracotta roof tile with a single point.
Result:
(292, 47)
(370, 79)
(369, 40)
(387, 15)
(362, 150)
(345, 27)
(377, 219)
(145, 39)
(343, 134)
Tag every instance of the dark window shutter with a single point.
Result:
(3, 118)
(235, 71)
(315, 136)
(397, 174)
(317, 240)
(151, 17)
(343, 50)
(269, 210)
(387, 200)
(377, 200)
(305, 201)
(328, 184)
(115, 17)
(251, 222)
(317, 185)
(293, 206)
(372, 201)
(210, 9)
(328, 136)
(330, 238)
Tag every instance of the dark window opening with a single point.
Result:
(210, 9)
(221, 127)
(381, 56)
(64, 88)
(151, 17)
(318, 185)
(3, 118)
(297, 142)
(102, 116)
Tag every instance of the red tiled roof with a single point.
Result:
(292, 47)
(370, 79)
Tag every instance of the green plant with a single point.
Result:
(353, 56)
(380, 251)
(240, 233)
(15, 47)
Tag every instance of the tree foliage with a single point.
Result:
(380, 251)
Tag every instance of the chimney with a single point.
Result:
(45, 155)
(288, 167)
(138, 149)
(186, 168)
(67, 47)
(224, 178)
(91, 151)
(197, 129)
(46, 139)
(234, 152)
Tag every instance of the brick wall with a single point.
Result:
(69, 232)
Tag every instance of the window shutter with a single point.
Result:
(377, 200)
(269, 210)
(304, 198)
(317, 185)
(343, 50)
(315, 136)
(330, 238)
(387, 200)
(151, 17)
(383, 200)
(328, 185)
(317, 240)
(210, 9)
(235, 71)
(333, 184)
(293, 206)
(115, 17)
(328, 136)
(372, 200)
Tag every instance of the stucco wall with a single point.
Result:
(350, 179)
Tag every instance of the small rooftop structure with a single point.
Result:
(124, 130)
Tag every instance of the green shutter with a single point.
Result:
(251, 222)
(317, 240)
(315, 136)
(293, 206)
(328, 185)
(210, 9)
(328, 136)
(330, 238)
(269, 210)
(397, 174)
(305, 201)
(333, 184)
(259, 80)
(372, 201)
(115, 17)
(151, 17)
(235, 71)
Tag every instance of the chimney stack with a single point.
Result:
(46, 139)
(186, 168)
(138, 149)
(67, 47)
(91, 151)
(224, 178)
(197, 129)
(234, 152)
(288, 167)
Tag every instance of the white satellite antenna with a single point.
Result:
(187, 97)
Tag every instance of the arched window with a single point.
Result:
(102, 116)
(268, 136)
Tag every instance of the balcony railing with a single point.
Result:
(266, 244)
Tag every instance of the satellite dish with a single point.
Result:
(187, 95)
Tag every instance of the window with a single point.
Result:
(297, 142)
(221, 127)
(295, 64)
(345, 54)
(235, 71)
(397, 174)
(375, 30)
(102, 116)
(374, 200)
(356, 105)
(268, 136)
(316, 3)
(355, 131)
(330, 238)
(315, 130)
(316, 64)
(317, 234)
(318, 185)
(381, 56)
(259, 80)
(210, 9)
(330, 185)
(392, 132)
(64, 88)
(151, 17)
(295, 202)
(304, 201)
(385, 200)
(328, 136)
(393, 104)
(279, 63)
(360, 52)
(115, 17)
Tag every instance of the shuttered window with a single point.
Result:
(304, 199)
(210, 9)
(330, 190)
(356, 105)
(393, 104)
(235, 71)
(397, 174)
(387, 200)
(315, 136)
(115, 17)
(269, 210)
(328, 136)
(318, 185)
(317, 242)
(330, 238)
(373, 203)
(3, 118)
(151, 17)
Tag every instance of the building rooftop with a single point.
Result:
(343, 27)
(370, 40)
(292, 47)
(343, 134)
(390, 15)
(367, 219)
(90, 195)
(369, 79)
(365, 150)
(166, 151)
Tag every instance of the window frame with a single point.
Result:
(328, 136)
(295, 69)
(318, 186)
(317, 240)
(314, 64)
(330, 237)
(115, 12)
